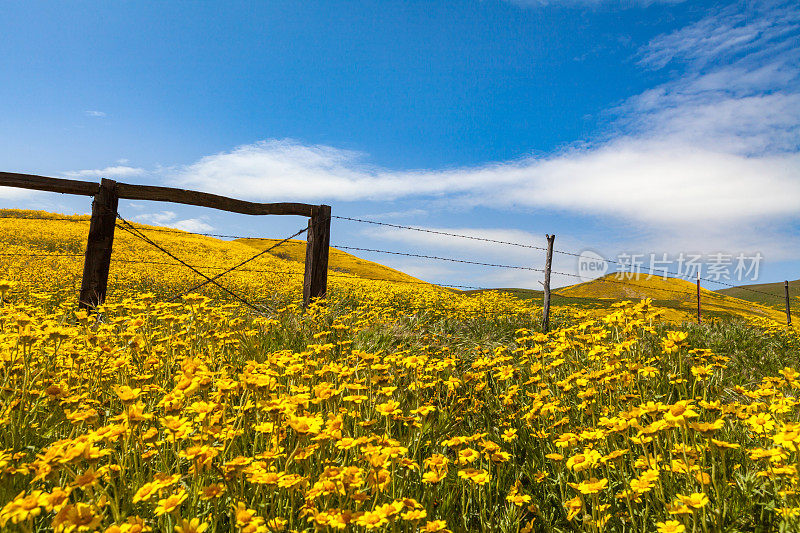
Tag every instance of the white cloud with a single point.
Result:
(94, 113)
(408, 213)
(655, 181)
(156, 219)
(117, 171)
(194, 225)
(761, 28)
(15, 193)
(170, 219)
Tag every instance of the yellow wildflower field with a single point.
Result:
(390, 406)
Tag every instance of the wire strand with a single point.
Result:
(143, 237)
(562, 252)
(211, 280)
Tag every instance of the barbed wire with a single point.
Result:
(463, 261)
(562, 252)
(137, 233)
(211, 280)
(438, 232)
(709, 295)
(516, 267)
(687, 293)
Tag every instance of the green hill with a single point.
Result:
(677, 297)
(769, 294)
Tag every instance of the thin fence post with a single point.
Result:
(315, 280)
(98, 247)
(699, 320)
(788, 310)
(546, 296)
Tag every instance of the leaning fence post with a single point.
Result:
(546, 296)
(98, 248)
(315, 280)
(788, 310)
(698, 298)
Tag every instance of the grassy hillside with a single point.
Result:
(677, 298)
(774, 297)
(339, 262)
(278, 275)
(387, 407)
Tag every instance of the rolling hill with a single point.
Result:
(339, 262)
(677, 297)
(37, 231)
(774, 296)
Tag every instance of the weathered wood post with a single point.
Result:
(98, 248)
(698, 298)
(546, 297)
(788, 310)
(315, 280)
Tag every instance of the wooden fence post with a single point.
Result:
(315, 280)
(788, 310)
(698, 298)
(546, 296)
(98, 248)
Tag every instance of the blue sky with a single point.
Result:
(622, 127)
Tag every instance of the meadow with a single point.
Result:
(389, 406)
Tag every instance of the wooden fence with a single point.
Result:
(107, 194)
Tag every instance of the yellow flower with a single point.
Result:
(583, 461)
(477, 476)
(468, 455)
(573, 507)
(371, 520)
(77, 517)
(433, 477)
(592, 486)
(761, 423)
(22, 508)
(695, 500)
(191, 526)
(147, 491)
(434, 526)
(389, 408)
(127, 394)
(680, 412)
(670, 526)
(277, 524)
(306, 424)
(171, 503)
(509, 435)
(414, 515)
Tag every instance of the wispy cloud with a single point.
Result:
(116, 171)
(653, 181)
(170, 219)
(96, 114)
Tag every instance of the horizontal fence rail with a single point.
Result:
(129, 191)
